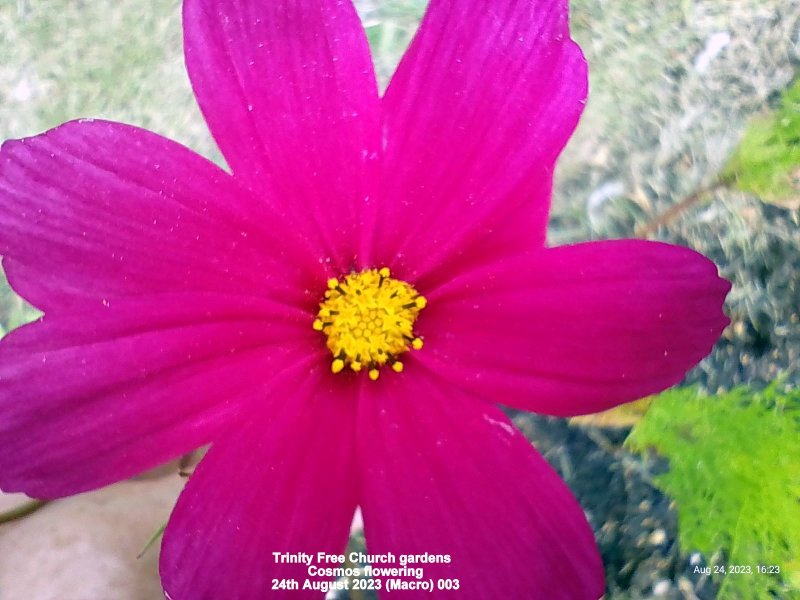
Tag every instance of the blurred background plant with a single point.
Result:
(691, 135)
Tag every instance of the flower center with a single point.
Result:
(369, 320)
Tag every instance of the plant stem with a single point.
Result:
(675, 211)
(22, 511)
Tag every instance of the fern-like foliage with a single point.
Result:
(734, 473)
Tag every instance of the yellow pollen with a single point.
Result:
(368, 318)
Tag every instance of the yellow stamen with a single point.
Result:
(369, 318)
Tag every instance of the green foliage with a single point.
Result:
(734, 473)
(767, 161)
(390, 27)
(153, 539)
(14, 312)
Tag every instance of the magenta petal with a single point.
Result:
(478, 111)
(91, 398)
(576, 329)
(94, 210)
(281, 483)
(288, 90)
(445, 473)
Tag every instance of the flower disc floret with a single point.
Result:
(369, 319)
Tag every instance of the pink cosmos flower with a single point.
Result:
(280, 312)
